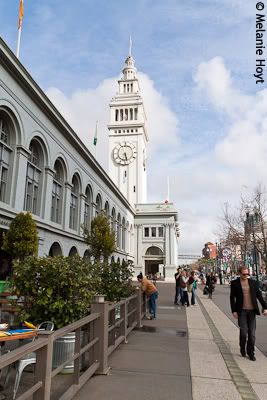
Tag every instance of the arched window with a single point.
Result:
(107, 209)
(87, 255)
(131, 114)
(55, 250)
(121, 114)
(123, 234)
(113, 220)
(154, 251)
(126, 114)
(57, 192)
(119, 231)
(74, 203)
(73, 252)
(88, 207)
(98, 205)
(34, 178)
(5, 158)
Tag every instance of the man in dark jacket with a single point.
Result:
(243, 298)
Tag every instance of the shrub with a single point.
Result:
(113, 280)
(57, 289)
(21, 240)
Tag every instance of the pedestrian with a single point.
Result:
(244, 293)
(151, 292)
(183, 283)
(178, 289)
(191, 287)
(220, 278)
(210, 283)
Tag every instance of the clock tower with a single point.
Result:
(128, 136)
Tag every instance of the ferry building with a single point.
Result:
(46, 169)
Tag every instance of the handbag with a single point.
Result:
(206, 290)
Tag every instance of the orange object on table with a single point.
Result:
(19, 336)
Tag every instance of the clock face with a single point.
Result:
(124, 153)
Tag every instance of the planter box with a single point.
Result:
(4, 285)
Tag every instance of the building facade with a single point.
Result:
(47, 170)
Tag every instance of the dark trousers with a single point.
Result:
(247, 325)
(185, 298)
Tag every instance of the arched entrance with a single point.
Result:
(153, 261)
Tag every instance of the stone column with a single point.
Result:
(18, 197)
(81, 214)
(66, 215)
(49, 176)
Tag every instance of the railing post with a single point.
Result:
(139, 307)
(124, 316)
(102, 334)
(43, 368)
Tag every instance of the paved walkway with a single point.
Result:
(186, 353)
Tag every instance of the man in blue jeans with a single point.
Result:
(151, 292)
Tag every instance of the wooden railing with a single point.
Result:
(103, 331)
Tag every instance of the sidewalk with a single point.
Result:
(186, 353)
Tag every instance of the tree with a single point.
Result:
(21, 240)
(101, 240)
(245, 227)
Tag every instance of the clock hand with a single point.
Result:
(125, 156)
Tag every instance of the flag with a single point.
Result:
(21, 13)
(95, 137)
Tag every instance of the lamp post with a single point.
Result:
(252, 219)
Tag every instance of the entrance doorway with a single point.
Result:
(154, 261)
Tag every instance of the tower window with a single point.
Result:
(135, 113)
(153, 232)
(121, 115)
(116, 115)
(124, 88)
(131, 114)
(146, 232)
(131, 87)
(119, 131)
(125, 174)
(128, 130)
(131, 130)
(134, 189)
(126, 114)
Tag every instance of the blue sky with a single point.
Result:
(196, 60)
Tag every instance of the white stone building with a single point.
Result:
(47, 170)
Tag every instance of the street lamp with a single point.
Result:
(251, 221)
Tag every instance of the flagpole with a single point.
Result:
(18, 46)
(21, 13)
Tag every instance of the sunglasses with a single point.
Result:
(245, 274)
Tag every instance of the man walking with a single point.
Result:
(243, 298)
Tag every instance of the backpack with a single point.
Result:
(182, 283)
